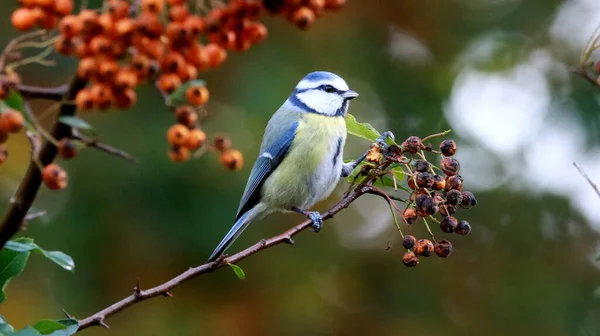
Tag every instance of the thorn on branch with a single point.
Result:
(137, 290)
(103, 324)
(167, 294)
(288, 240)
(69, 316)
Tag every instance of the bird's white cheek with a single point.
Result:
(320, 101)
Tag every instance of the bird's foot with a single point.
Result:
(317, 220)
(384, 136)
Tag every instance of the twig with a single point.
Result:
(14, 42)
(94, 143)
(30, 184)
(35, 92)
(140, 295)
(587, 178)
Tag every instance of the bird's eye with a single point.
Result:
(329, 88)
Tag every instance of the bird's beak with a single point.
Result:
(350, 94)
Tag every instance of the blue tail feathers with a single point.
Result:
(230, 237)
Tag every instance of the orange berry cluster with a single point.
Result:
(302, 13)
(43, 13)
(11, 121)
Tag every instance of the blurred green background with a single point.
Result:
(496, 72)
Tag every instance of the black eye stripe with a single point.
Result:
(328, 88)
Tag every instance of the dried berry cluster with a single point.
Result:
(435, 191)
(11, 121)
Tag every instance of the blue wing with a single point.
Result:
(279, 134)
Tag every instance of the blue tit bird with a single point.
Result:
(300, 159)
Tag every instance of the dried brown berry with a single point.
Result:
(196, 139)
(439, 183)
(424, 247)
(422, 166)
(410, 259)
(424, 180)
(197, 95)
(11, 121)
(54, 177)
(409, 242)
(410, 215)
(468, 200)
(232, 159)
(448, 147)
(450, 166)
(412, 144)
(454, 182)
(179, 154)
(447, 210)
(425, 205)
(453, 197)
(67, 149)
(178, 135)
(448, 224)
(411, 180)
(443, 248)
(221, 142)
(463, 228)
(3, 154)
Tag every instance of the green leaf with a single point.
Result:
(56, 328)
(177, 97)
(12, 264)
(361, 130)
(75, 122)
(14, 101)
(5, 328)
(238, 271)
(27, 245)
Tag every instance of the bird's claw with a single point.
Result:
(317, 220)
(384, 136)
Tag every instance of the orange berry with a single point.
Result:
(221, 142)
(102, 96)
(232, 159)
(3, 154)
(23, 19)
(126, 79)
(153, 48)
(186, 116)
(47, 20)
(63, 7)
(118, 9)
(87, 68)
(89, 19)
(334, 4)
(188, 73)
(177, 134)
(80, 48)
(44, 3)
(107, 24)
(153, 6)
(107, 70)
(216, 55)
(196, 139)
(256, 32)
(54, 177)
(178, 13)
(66, 148)
(198, 56)
(101, 45)
(179, 154)
(125, 27)
(303, 17)
(224, 39)
(197, 95)
(84, 100)
(150, 25)
(168, 82)
(70, 26)
(125, 98)
(176, 33)
(194, 25)
(63, 46)
(141, 64)
(176, 2)
(11, 121)
(172, 62)
(317, 5)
